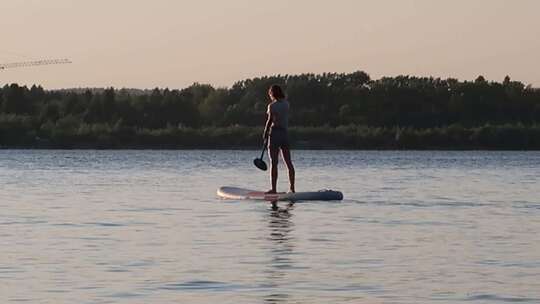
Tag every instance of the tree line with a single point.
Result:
(328, 110)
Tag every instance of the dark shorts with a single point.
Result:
(279, 138)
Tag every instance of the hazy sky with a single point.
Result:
(173, 43)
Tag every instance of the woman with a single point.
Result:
(276, 135)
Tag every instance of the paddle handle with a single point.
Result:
(264, 147)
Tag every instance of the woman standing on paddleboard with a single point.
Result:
(276, 134)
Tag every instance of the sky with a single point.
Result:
(174, 43)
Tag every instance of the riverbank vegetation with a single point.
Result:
(328, 111)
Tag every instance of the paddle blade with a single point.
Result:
(259, 163)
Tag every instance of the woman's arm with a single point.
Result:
(267, 125)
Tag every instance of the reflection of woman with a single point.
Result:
(276, 131)
(281, 248)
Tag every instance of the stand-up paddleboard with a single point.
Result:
(235, 193)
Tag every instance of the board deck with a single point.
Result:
(235, 193)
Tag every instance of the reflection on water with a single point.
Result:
(280, 227)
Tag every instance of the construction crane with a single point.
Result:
(25, 64)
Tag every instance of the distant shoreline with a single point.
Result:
(328, 111)
(351, 137)
(511, 137)
(256, 149)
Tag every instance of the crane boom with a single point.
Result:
(24, 64)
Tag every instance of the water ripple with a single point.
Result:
(146, 227)
(498, 298)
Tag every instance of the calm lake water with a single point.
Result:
(147, 227)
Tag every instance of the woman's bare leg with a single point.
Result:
(286, 154)
(274, 157)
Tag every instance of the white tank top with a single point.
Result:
(280, 113)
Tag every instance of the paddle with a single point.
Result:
(259, 162)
